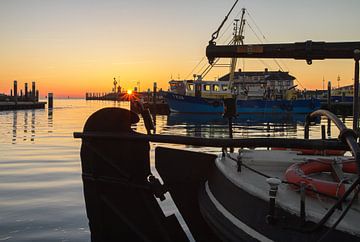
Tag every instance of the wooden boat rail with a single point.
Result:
(217, 142)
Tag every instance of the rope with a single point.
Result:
(341, 216)
(192, 71)
(308, 188)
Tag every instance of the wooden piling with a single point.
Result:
(33, 91)
(50, 100)
(26, 90)
(15, 91)
(154, 97)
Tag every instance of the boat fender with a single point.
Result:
(300, 173)
(158, 189)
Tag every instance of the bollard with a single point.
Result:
(154, 93)
(26, 90)
(323, 134)
(50, 100)
(15, 91)
(329, 96)
(274, 184)
(33, 91)
(154, 98)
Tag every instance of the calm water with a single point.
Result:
(41, 195)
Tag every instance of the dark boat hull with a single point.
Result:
(189, 104)
(235, 215)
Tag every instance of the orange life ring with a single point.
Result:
(299, 173)
(314, 151)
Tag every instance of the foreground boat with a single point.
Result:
(264, 207)
(242, 195)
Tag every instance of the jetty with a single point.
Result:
(29, 99)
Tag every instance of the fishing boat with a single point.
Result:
(180, 103)
(261, 92)
(249, 194)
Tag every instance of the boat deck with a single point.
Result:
(274, 164)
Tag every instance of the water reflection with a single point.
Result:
(50, 119)
(32, 125)
(245, 125)
(24, 125)
(14, 127)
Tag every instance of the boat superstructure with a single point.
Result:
(255, 91)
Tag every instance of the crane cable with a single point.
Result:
(263, 36)
(222, 35)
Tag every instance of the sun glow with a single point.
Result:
(129, 92)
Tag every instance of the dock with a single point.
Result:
(21, 105)
(17, 100)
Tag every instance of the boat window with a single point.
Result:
(173, 86)
(224, 87)
(216, 88)
(207, 87)
(190, 87)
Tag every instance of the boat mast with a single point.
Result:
(237, 40)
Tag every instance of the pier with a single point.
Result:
(29, 99)
(21, 105)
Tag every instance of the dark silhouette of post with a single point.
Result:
(50, 100)
(15, 91)
(356, 91)
(154, 98)
(33, 91)
(26, 91)
(329, 96)
(329, 108)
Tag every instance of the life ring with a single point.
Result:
(313, 151)
(299, 173)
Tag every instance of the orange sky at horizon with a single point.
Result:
(73, 47)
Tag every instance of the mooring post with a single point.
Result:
(329, 96)
(154, 98)
(15, 92)
(148, 95)
(26, 90)
(329, 108)
(356, 91)
(323, 136)
(33, 91)
(50, 100)
(306, 131)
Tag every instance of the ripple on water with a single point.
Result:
(41, 196)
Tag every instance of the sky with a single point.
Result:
(70, 47)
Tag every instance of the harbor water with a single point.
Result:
(41, 197)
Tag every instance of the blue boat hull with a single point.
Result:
(188, 104)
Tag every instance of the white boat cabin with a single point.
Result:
(246, 85)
